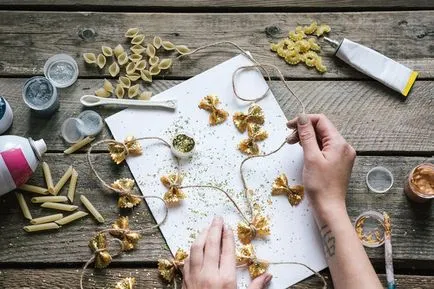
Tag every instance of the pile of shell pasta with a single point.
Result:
(140, 64)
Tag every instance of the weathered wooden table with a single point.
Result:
(384, 128)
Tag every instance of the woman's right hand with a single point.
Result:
(328, 161)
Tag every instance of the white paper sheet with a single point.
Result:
(294, 235)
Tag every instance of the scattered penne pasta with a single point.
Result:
(52, 199)
(91, 209)
(48, 178)
(41, 227)
(34, 189)
(60, 207)
(71, 218)
(72, 185)
(78, 145)
(46, 219)
(23, 206)
(62, 180)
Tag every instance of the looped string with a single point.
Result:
(256, 64)
(252, 230)
(119, 252)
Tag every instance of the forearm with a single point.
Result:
(348, 262)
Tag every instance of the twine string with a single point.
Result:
(83, 270)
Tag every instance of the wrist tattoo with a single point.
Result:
(328, 241)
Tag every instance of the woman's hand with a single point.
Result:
(328, 161)
(211, 263)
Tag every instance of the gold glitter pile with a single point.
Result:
(299, 47)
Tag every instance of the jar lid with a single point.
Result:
(379, 180)
(71, 130)
(61, 70)
(39, 93)
(92, 122)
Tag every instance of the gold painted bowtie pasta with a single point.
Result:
(119, 152)
(168, 268)
(254, 114)
(126, 283)
(98, 244)
(210, 103)
(259, 226)
(121, 230)
(127, 199)
(246, 256)
(294, 193)
(174, 194)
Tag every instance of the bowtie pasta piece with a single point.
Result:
(165, 63)
(138, 39)
(118, 50)
(101, 61)
(89, 58)
(167, 45)
(101, 92)
(114, 69)
(146, 75)
(107, 51)
(108, 86)
(182, 49)
(157, 42)
(131, 32)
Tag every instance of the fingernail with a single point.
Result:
(292, 138)
(302, 119)
(268, 280)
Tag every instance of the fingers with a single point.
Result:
(227, 259)
(186, 273)
(213, 245)
(197, 252)
(261, 282)
(307, 136)
(324, 128)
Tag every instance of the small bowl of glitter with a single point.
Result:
(61, 70)
(183, 145)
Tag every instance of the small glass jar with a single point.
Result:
(369, 227)
(420, 183)
(41, 96)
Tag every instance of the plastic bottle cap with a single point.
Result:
(39, 147)
(92, 122)
(72, 130)
(379, 180)
(61, 70)
(6, 115)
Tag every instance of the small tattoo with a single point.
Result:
(329, 241)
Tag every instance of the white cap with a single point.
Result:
(39, 147)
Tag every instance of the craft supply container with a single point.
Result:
(415, 193)
(41, 96)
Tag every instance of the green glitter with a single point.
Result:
(183, 143)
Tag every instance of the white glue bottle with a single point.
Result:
(376, 65)
(19, 158)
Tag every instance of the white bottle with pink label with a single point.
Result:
(19, 158)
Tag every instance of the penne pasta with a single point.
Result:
(71, 218)
(46, 219)
(72, 185)
(52, 199)
(91, 209)
(41, 227)
(78, 145)
(23, 206)
(57, 206)
(63, 180)
(48, 178)
(34, 189)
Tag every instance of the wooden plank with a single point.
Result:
(371, 117)
(29, 40)
(242, 5)
(412, 225)
(148, 278)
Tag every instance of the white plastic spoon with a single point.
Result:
(92, 100)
